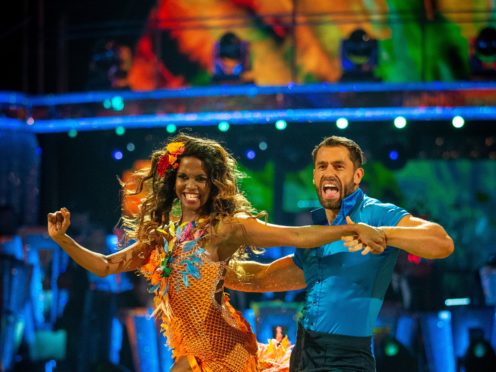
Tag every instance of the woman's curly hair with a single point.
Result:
(157, 207)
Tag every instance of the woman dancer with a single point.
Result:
(192, 221)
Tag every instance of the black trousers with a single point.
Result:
(322, 352)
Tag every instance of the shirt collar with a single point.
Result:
(319, 217)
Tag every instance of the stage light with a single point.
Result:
(359, 57)
(342, 123)
(480, 350)
(171, 128)
(231, 60)
(393, 155)
(400, 122)
(281, 124)
(444, 315)
(223, 126)
(457, 301)
(117, 155)
(30, 121)
(72, 133)
(263, 145)
(479, 356)
(483, 54)
(117, 103)
(392, 355)
(458, 122)
(250, 154)
(120, 130)
(107, 104)
(391, 348)
(130, 147)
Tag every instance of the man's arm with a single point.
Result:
(278, 276)
(419, 237)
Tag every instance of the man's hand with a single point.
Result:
(368, 239)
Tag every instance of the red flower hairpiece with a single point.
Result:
(169, 159)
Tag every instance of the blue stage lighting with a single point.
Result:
(393, 155)
(130, 147)
(171, 128)
(250, 154)
(72, 133)
(117, 155)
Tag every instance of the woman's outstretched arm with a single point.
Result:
(238, 231)
(128, 259)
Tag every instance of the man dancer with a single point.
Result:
(345, 291)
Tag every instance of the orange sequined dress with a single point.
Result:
(197, 318)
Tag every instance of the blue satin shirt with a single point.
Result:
(345, 290)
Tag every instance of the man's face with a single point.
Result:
(335, 176)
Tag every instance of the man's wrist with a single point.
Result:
(386, 231)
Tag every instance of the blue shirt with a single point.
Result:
(345, 290)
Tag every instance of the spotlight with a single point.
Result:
(171, 128)
(223, 126)
(281, 124)
(130, 147)
(263, 145)
(444, 315)
(342, 123)
(72, 133)
(117, 155)
(231, 60)
(393, 155)
(483, 54)
(391, 348)
(463, 301)
(250, 154)
(120, 130)
(117, 103)
(486, 42)
(480, 355)
(253, 149)
(359, 57)
(392, 355)
(400, 122)
(458, 121)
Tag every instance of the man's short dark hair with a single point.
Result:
(356, 153)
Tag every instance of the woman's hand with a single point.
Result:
(58, 223)
(368, 239)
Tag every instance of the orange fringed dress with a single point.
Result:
(197, 318)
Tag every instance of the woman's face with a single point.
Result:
(192, 186)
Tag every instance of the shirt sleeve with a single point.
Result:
(387, 214)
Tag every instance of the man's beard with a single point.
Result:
(344, 191)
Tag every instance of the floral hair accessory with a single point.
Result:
(169, 159)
